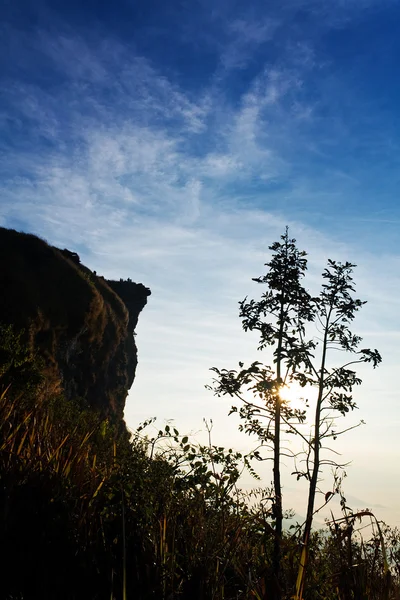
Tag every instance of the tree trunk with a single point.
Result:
(314, 476)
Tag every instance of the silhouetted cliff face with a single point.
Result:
(79, 323)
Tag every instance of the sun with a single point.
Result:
(294, 395)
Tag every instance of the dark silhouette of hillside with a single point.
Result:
(80, 325)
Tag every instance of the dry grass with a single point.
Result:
(90, 516)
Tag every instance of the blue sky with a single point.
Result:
(171, 142)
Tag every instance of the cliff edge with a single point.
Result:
(80, 324)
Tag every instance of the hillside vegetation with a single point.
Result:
(87, 512)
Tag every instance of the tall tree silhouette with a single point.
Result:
(279, 317)
(284, 317)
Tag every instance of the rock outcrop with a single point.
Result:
(79, 323)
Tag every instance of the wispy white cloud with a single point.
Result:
(121, 153)
(244, 37)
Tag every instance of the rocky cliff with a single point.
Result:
(80, 324)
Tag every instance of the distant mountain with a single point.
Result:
(81, 325)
